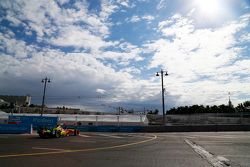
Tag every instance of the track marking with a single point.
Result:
(169, 135)
(112, 136)
(80, 150)
(216, 161)
(219, 137)
(215, 142)
(84, 141)
(82, 135)
(44, 148)
(28, 134)
(240, 156)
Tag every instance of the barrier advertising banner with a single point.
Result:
(36, 121)
(14, 129)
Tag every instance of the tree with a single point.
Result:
(156, 112)
(246, 104)
(240, 108)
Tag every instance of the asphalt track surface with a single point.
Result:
(127, 150)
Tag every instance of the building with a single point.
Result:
(17, 100)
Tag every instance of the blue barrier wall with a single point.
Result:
(36, 121)
(14, 129)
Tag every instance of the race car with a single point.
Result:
(56, 132)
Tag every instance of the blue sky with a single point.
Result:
(104, 54)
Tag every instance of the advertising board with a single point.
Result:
(14, 129)
(36, 121)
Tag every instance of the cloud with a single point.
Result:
(136, 18)
(126, 3)
(80, 51)
(72, 75)
(245, 37)
(122, 53)
(16, 48)
(132, 70)
(176, 26)
(101, 91)
(78, 38)
(162, 4)
(62, 2)
(202, 62)
(107, 8)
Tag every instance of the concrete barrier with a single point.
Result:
(86, 128)
(153, 129)
(196, 128)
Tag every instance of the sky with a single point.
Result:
(101, 54)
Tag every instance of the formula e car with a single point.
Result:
(56, 132)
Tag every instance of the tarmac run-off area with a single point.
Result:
(127, 149)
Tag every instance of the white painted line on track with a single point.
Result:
(154, 137)
(44, 148)
(169, 135)
(111, 136)
(82, 135)
(216, 161)
(236, 155)
(219, 137)
(82, 141)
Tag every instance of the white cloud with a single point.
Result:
(72, 74)
(176, 26)
(16, 48)
(125, 3)
(137, 18)
(79, 38)
(245, 37)
(162, 4)
(127, 52)
(101, 91)
(132, 70)
(46, 17)
(202, 62)
(62, 2)
(107, 8)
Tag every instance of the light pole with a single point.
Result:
(45, 80)
(162, 92)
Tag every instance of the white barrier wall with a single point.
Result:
(128, 120)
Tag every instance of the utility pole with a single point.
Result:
(162, 92)
(45, 80)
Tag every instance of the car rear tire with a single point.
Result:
(58, 134)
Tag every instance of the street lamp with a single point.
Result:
(45, 80)
(162, 91)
